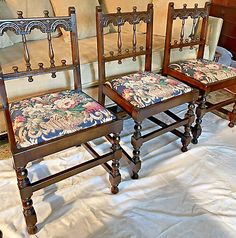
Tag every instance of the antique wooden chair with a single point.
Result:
(205, 75)
(42, 125)
(143, 94)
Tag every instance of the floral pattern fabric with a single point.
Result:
(43, 118)
(143, 89)
(204, 71)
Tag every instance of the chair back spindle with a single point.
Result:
(119, 44)
(51, 54)
(26, 51)
(134, 34)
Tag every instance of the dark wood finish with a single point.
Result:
(47, 25)
(205, 89)
(226, 9)
(139, 114)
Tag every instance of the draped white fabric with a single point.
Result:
(184, 195)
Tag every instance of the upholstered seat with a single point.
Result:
(43, 118)
(145, 88)
(204, 71)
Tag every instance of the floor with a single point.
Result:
(183, 195)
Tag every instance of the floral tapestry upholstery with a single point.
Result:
(203, 70)
(143, 89)
(43, 118)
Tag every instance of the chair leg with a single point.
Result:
(200, 112)
(26, 193)
(101, 96)
(232, 117)
(187, 135)
(136, 152)
(115, 177)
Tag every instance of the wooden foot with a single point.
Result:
(114, 190)
(184, 149)
(136, 165)
(187, 136)
(30, 215)
(115, 177)
(32, 230)
(135, 176)
(194, 141)
(232, 117)
(200, 112)
(28, 209)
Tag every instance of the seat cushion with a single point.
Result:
(204, 71)
(43, 118)
(143, 89)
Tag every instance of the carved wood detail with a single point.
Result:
(132, 18)
(188, 12)
(45, 25)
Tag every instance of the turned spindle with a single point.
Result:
(15, 69)
(192, 35)
(51, 54)
(111, 53)
(46, 13)
(134, 35)
(20, 14)
(54, 75)
(182, 31)
(40, 66)
(119, 42)
(63, 62)
(118, 9)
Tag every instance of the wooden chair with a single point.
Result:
(205, 75)
(42, 125)
(142, 94)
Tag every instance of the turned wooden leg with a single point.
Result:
(26, 193)
(200, 112)
(232, 117)
(187, 135)
(115, 177)
(136, 152)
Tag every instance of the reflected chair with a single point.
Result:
(205, 75)
(48, 123)
(142, 94)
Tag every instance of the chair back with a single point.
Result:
(118, 20)
(47, 25)
(198, 16)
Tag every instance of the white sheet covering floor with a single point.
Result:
(181, 195)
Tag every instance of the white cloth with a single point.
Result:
(181, 195)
